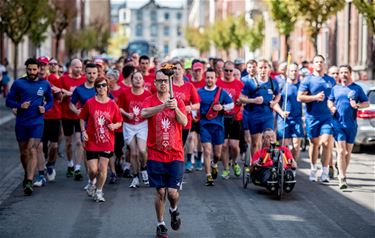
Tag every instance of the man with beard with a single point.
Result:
(32, 97)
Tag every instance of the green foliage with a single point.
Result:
(38, 29)
(367, 9)
(256, 34)
(283, 16)
(197, 38)
(220, 35)
(239, 32)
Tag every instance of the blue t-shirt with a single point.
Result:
(313, 85)
(346, 115)
(280, 81)
(38, 92)
(81, 94)
(207, 98)
(268, 90)
(292, 105)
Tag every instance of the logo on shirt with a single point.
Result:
(165, 125)
(351, 94)
(40, 92)
(136, 111)
(269, 91)
(329, 85)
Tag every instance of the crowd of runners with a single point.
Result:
(126, 116)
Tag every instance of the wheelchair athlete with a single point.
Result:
(263, 171)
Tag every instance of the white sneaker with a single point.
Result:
(91, 190)
(40, 181)
(99, 196)
(52, 176)
(144, 177)
(135, 183)
(86, 187)
(313, 177)
(324, 178)
(342, 183)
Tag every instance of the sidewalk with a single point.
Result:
(5, 112)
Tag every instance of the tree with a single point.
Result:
(16, 20)
(64, 11)
(103, 35)
(218, 33)
(239, 31)
(256, 34)
(197, 38)
(316, 13)
(284, 17)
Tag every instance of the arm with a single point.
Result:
(181, 117)
(74, 109)
(246, 100)
(331, 106)
(192, 107)
(276, 107)
(150, 111)
(85, 137)
(49, 99)
(11, 100)
(303, 97)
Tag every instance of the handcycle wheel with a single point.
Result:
(245, 174)
(280, 180)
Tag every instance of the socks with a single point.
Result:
(70, 163)
(313, 166)
(325, 170)
(161, 223)
(189, 156)
(77, 167)
(173, 209)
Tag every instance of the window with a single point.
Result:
(179, 31)
(139, 30)
(179, 15)
(166, 16)
(166, 31)
(153, 16)
(154, 30)
(166, 49)
(139, 15)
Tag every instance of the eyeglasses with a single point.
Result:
(161, 81)
(101, 85)
(61, 72)
(52, 64)
(228, 70)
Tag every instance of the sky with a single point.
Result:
(139, 3)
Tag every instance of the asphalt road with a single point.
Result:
(62, 208)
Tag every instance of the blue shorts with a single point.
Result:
(316, 127)
(245, 119)
(345, 134)
(258, 126)
(165, 175)
(212, 133)
(26, 132)
(293, 129)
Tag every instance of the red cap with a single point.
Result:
(197, 65)
(43, 59)
(99, 62)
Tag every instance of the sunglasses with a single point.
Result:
(228, 70)
(52, 64)
(101, 85)
(161, 81)
(61, 72)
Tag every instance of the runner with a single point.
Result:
(144, 68)
(165, 164)
(213, 100)
(135, 127)
(232, 121)
(32, 97)
(344, 101)
(99, 118)
(314, 91)
(70, 120)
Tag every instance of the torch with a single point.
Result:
(169, 70)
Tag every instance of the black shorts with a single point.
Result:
(119, 144)
(52, 130)
(195, 127)
(96, 154)
(232, 129)
(185, 134)
(70, 126)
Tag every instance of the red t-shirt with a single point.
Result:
(55, 111)
(234, 89)
(132, 103)
(267, 160)
(69, 83)
(149, 83)
(123, 85)
(116, 95)
(164, 140)
(189, 95)
(198, 84)
(98, 115)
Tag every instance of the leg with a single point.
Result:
(103, 167)
(32, 146)
(313, 154)
(160, 204)
(207, 154)
(256, 142)
(173, 197)
(225, 154)
(349, 148)
(341, 158)
(296, 143)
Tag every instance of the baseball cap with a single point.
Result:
(43, 59)
(53, 61)
(99, 62)
(239, 61)
(197, 65)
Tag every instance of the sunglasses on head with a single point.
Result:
(101, 85)
(228, 70)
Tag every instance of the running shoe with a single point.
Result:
(209, 181)
(51, 174)
(161, 231)
(237, 170)
(113, 179)
(331, 173)
(198, 165)
(145, 177)
(342, 183)
(225, 174)
(324, 178)
(40, 181)
(188, 166)
(91, 190)
(99, 196)
(78, 175)
(214, 171)
(134, 183)
(69, 172)
(175, 220)
(313, 176)
(28, 188)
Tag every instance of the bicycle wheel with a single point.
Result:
(280, 178)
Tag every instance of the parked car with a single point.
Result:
(366, 118)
